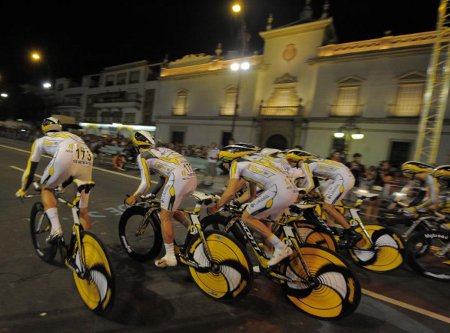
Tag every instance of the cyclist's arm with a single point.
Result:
(308, 181)
(144, 186)
(432, 196)
(33, 161)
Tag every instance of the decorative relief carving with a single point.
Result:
(290, 52)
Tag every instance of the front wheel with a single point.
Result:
(384, 251)
(428, 253)
(96, 284)
(229, 275)
(322, 285)
(141, 239)
(40, 228)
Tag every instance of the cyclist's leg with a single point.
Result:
(54, 174)
(83, 175)
(271, 202)
(171, 198)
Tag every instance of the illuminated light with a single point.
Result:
(234, 66)
(357, 136)
(236, 8)
(339, 135)
(46, 85)
(116, 124)
(245, 65)
(35, 56)
(4, 95)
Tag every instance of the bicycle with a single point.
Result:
(84, 255)
(315, 279)
(219, 266)
(427, 241)
(381, 249)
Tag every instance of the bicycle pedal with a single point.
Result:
(71, 264)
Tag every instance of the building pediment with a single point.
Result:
(412, 77)
(285, 78)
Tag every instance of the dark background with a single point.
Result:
(82, 37)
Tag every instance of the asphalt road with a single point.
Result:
(38, 297)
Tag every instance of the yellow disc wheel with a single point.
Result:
(329, 291)
(228, 275)
(385, 254)
(312, 234)
(96, 288)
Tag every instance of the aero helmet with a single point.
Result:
(51, 124)
(231, 152)
(414, 167)
(298, 155)
(143, 139)
(442, 172)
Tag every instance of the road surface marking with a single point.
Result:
(406, 306)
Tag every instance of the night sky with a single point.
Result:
(82, 37)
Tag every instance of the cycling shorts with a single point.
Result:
(334, 190)
(70, 160)
(175, 190)
(272, 202)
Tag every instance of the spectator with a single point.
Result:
(336, 156)
(357, 168)
(212, 155)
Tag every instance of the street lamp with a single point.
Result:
(46, 85)
(4, 95)
(349, 131)
(241, 65)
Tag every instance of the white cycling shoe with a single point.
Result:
(279, 255)
(166, 261)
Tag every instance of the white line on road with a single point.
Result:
(364, 291)
(406, 306)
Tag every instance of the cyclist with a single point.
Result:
(442, 174)
(180, 180)
(278, 191)
(340, 181)
(72, 160)
(423, 174)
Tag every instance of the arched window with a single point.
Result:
(409, 95)
(347, 103)
(180, 108)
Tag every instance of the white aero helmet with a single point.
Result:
(143, 139)
(51, 124)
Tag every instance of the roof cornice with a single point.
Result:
(295, 29)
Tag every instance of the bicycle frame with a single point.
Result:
(292, 239)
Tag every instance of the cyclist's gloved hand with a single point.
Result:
(411, 212)
(21, 193)
(234, 203)
(130, 201)
(211, 210)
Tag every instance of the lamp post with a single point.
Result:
(240, 66)
(349, 131)
(36, 57)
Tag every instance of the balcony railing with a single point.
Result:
(346, 110)
(286, 110)
(118, 99)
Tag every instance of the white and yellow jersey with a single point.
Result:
(323, 168)
(260, 170)
(49, 143)
(165, 162)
